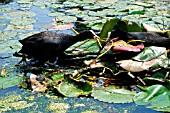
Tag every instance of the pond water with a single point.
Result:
(11, 31)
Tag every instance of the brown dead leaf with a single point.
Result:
(3, 72)
(152, 29)
(137, 66)
(62, 27)
(36, 85)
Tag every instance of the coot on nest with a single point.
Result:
(149, 38)
(48, 45)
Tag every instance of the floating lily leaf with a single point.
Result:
(10, 81)
(41, 4)
(4, 35)
(98, 13)
(56, 6)
(90, 45)
(13, 27)
(24, 1)
(137, 11)
(25, 6)
(12, 102)
(22, 21)
(9, 46)
(5, 9)
(69, 89)
(113, 95)
(132, 26)
(19, 14)
(157, 96)
(65, 19)
(70, 4)
(58, 77)
(88, 18)
(150, 53)
(147, 5)
(92, 7)
(58, 107)
(108, 26)
(97, 26)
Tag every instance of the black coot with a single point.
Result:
(48, 45)
(149, 38)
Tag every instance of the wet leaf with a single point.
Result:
(63, 27)
(69, 89)
(137, 11)
(152, 29)
(121, 45)
(108, 26)
(156, 95)
(132, 26)
(56, 14)
(38, 86)
(90, 45)
(58, 107)
(3, 72)
(150, 53)
(147, 5)
(112, 95)
(13, 27)
(10, 81)
(70, 4)
(19, 14)
(24, 1)
(65, 19)
(7, 35)
(133, 66)
(22, 21)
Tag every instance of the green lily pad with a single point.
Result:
(69, 89)
(24, 1)
(58, 77)
(150, 53)
(137, 11)
(91, 7)
(89, 18)
(108, 26)
(4, 35)
(56, 6)
(157, 96)
(112, 95)
(91, 46)
(19, 14)
(58, 107)
(25, 6)
(41, 4)
(70, 4)
(9, 46)
(5, 9)
(10, 81)
(147, 5)
(65, 19)
(56, 14)
(97, 26)
(22, 21)
(133, 27)
(24, 27)
(98, 13)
